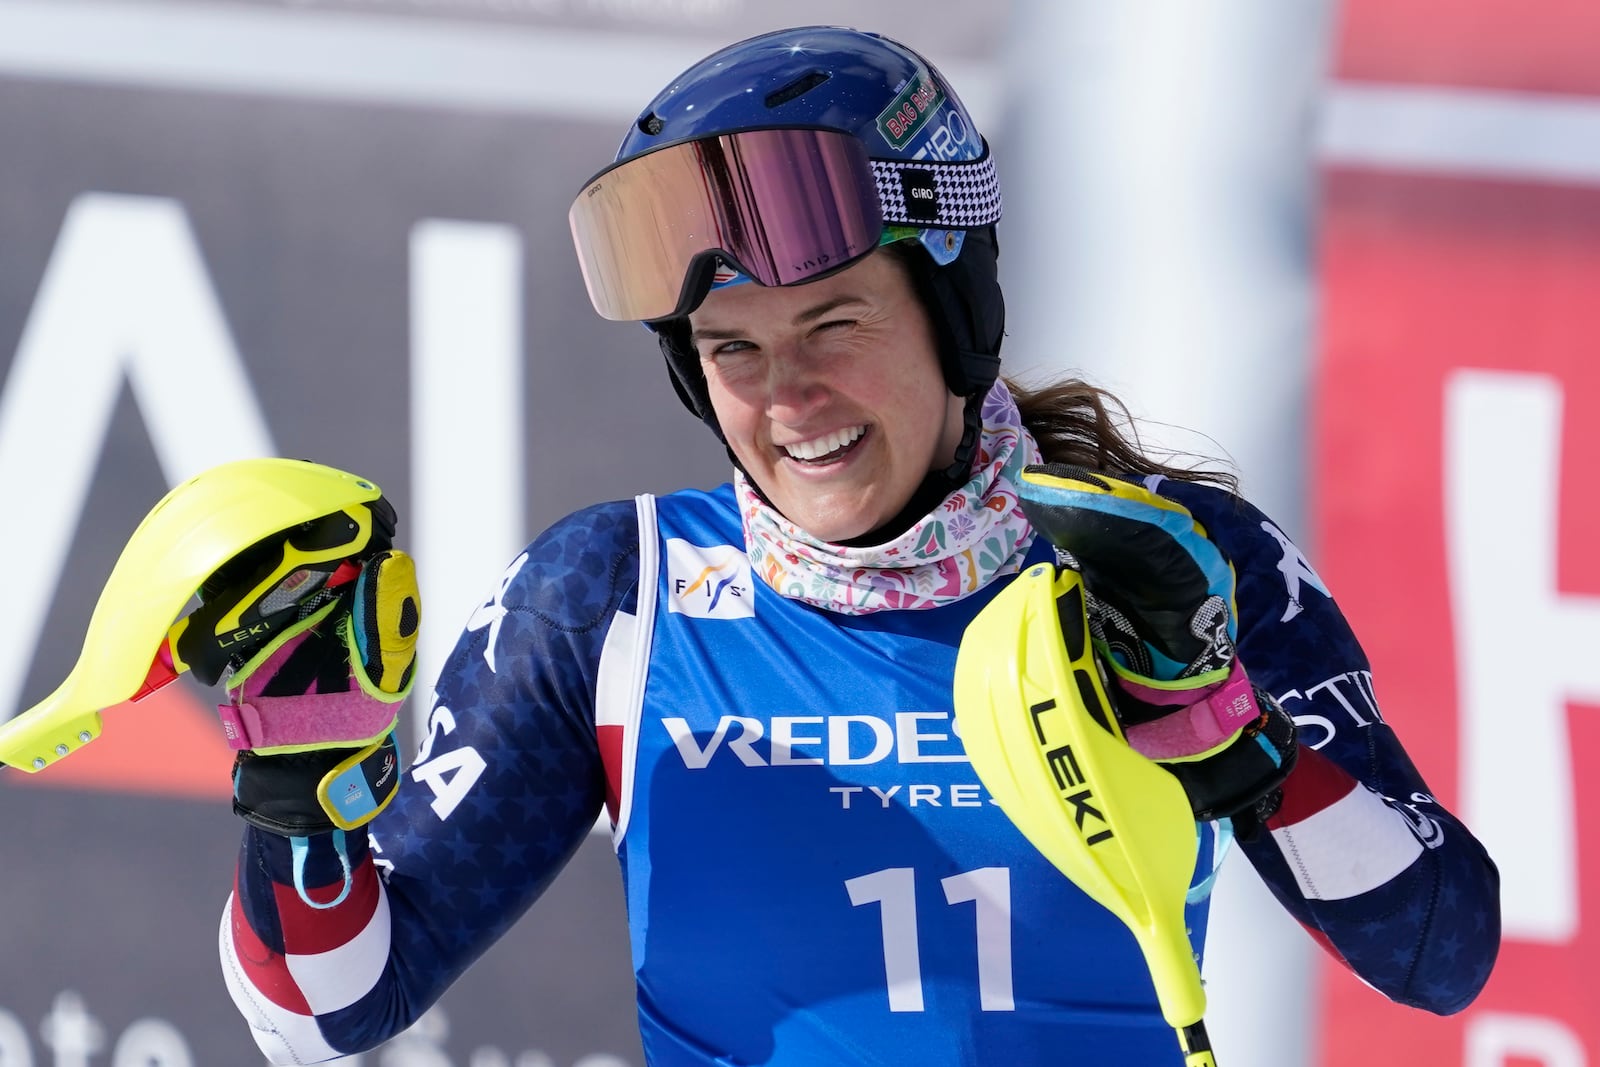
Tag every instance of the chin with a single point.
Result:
(834, 513)
(838, 535)
(831, 526)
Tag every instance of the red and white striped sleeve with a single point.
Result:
(291, 961)
(1339, 838)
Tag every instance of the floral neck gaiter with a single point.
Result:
(978, 533)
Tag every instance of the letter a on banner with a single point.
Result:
(125, 296)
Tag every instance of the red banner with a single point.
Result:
(1548, 46)
(1457, 428)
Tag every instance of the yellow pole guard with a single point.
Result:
(1038, 727)
(190, 533)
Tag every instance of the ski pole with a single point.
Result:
(1038, 726)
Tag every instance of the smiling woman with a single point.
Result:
(829, 395)
(806, 220)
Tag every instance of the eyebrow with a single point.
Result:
(810, 314)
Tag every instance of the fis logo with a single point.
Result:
(709, 583)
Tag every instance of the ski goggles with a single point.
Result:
(779, 205)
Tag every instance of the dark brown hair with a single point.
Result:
(1086, 426)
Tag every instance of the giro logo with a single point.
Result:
(922, 199)
(709, 583)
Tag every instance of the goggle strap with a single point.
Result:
(940, 196)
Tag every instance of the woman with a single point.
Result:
(755, 682)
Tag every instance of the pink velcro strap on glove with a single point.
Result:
(316, 719)
(1201, 721)
(335, 712)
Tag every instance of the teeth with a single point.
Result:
(821, 446)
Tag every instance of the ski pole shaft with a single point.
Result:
(1196, 1045)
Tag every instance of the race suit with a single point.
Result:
(813, 872)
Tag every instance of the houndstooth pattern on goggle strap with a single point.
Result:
(965, 195)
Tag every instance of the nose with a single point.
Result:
(794, 386)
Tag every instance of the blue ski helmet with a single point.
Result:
(930, 174)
